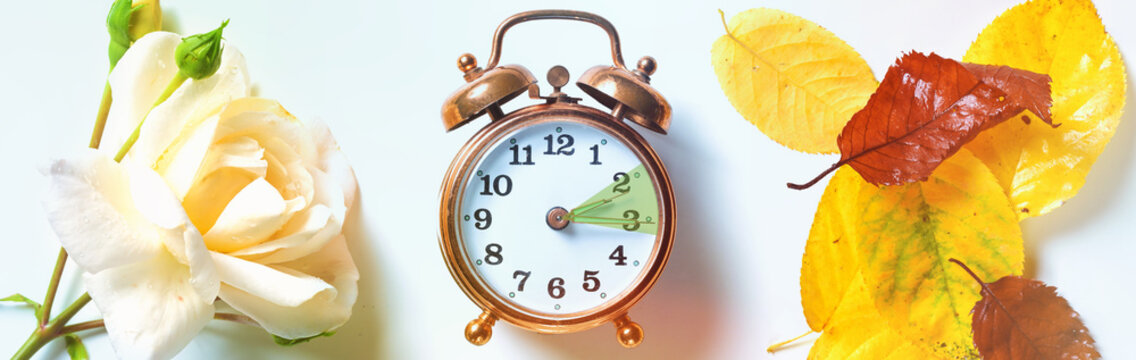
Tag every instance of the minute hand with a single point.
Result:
(605, 220)
(593, 205)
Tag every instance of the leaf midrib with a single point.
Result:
(780, 72)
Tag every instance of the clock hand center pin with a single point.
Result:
(557, 218)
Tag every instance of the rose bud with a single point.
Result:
(146, 17)
(199, 56)
(118, 25)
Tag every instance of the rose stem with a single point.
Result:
(100, 120)
(38, 336)
(174, 84)
(237, 318)
(41, 336)
(95, 324)
(52, 287)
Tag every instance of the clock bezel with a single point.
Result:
(466, 275)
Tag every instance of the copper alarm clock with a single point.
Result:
(556, 217)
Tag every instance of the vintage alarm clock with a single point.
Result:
(556, 217)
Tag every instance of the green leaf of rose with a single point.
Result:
(75, 348)
(289, 342)
(20, 298)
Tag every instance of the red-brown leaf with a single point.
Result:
(1025, 89)
(1019, 318)
(925, 110)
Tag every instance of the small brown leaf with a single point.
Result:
(925, 110)
(1020, 318)
(1026, 89)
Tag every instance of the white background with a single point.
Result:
(378, 72)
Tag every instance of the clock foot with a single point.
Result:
(479, 330)
(628, 332)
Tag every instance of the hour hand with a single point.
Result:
(579, 210)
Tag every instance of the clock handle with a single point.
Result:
(628, 332)
(479, 330)
(499, 36)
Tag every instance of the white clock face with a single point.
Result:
(604, 199)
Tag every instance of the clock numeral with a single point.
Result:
(565, 142)
(484, 219)
(595, 155)
(517, 155)
(524, 277)
(497, 185)
(556, 288)
(617, 255)
(622, 182)
(631, 215)
(590, 278)
(493, 254)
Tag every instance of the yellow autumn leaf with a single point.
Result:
(797, 82)
(908, 235)
(859, 332)
(833, 295)
(898, 240)
(830, 261)
(1038, 166)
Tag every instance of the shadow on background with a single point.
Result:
(1096, 197)
(680, 315)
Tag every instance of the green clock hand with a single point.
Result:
(605, 220)
(593, 205)
(623, 203)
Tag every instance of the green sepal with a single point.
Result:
(289, 342)
(118, 26)
(199, 56)
(75, 348)
(24, 299)
(115, 51)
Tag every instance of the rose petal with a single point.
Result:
(183, 167)
(278, 285)
(157, 203)
(333, 162)
(287, 146)
(207, 198)
(169, 125)
(312, 223)
(153, 198)
(136, 82)
(242, 153)
(91, 208)
(251, 216)
(270, 124)
(308, 232)
(319, 314)
(291, 178)
(149, 308)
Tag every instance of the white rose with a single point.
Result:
(222, 195)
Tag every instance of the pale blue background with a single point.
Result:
(377, 72)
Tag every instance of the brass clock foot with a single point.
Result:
(479, 330)
(628, 332)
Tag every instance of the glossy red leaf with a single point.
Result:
(1019, 318)
(925, 110)
(1025, 89)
